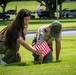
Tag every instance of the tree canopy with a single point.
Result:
(51, 6)
(3, 4)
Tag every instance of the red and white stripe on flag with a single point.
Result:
(44, 47)
(39, 7)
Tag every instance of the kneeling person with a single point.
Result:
(50, 33)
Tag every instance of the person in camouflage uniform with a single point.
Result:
(50, 33)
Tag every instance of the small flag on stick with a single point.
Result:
(39, 6)
(42, 45)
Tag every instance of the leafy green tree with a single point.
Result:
(51, 6)
(3, 3)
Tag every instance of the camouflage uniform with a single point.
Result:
(49, 39)
(10, 55)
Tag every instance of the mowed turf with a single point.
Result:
(66, 65)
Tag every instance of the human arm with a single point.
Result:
(18, 55)
(32, 49)
(58, 48)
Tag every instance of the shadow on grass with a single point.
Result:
(5, 22)
(69, 40)
(17, 64)
(31, 63)
(39, 21)
(45, 62)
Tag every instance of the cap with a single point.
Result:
(55, 29)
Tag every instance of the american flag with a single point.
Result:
(39, 7)
(42, 45)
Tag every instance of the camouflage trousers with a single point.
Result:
(9, 55)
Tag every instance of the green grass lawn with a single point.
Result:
(36, 23)
(21, 4)
(71, 5)
(32, 5)
(71, 22)
(66, 65)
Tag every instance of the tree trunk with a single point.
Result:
(3, 7)
(49, 7)
(60, 8)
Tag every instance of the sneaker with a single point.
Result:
(3, 63)
(1, 56)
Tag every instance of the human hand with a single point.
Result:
(18, 55)
(40, 58)
(38, 52)
(40, 55)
